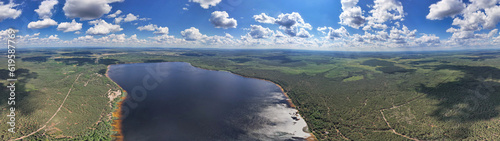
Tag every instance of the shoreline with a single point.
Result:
(116, 114)
(312, 137)
(117, 122)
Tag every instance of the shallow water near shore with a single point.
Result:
(176, 101)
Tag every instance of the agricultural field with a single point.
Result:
(447, 95)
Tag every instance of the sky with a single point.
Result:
(366, 25)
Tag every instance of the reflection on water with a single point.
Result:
(176, 101)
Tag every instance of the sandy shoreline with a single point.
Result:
(117, 113)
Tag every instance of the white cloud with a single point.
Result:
(428, 40)
(69, 26)
(118, 19)
(385, 10)
(219, 40)
(185, 8)
(103, 28)
(130, 17)
(152, 27)
(303, 33)
(192, 34)
(53, 37)
(290, 20)
(87, 9)
(206, 3)
(401, 36)
(118, 12)
(471, 21)
(334, 33)
(8, 11)
(352, 14)
(259, 32)
(492, 33)
(229, 36)
(445, 8)
(220, 20)
(161, 30)
(291, 23)
(149, 27)
(169, 39)
(95, 21)
(109, 40)
(279, 34)
(475, 16)
(382, 12)
(45, 9)
(263, 18)
(493, 17)
(42, 24)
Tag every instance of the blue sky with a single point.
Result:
(296, 24)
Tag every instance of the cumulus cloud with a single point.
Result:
(263, 18)
(279, 34)
(109, 40)
(332, 33)
(69, 26)
(220, 20)
(130, 17)
(401, 36)
(428, 40)
(229, 36)
(385, 10)
(382, 12)
(161, 30)
(94, 21)
(206, 3)
(493, 33)
(493, 17)
(53, 37)
(445, 8)
(101, 27)
(291, 23)
(87, 9)
(352, 14)
(149, 27)
(259, 32)
(8, 11)
(303, 33)
(474, 16)
(42, 24)
(290, 20)
(155, 28)
(192, 34)
(118, 12)
(118, 20)
(44, 11)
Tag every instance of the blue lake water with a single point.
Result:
(176, 101)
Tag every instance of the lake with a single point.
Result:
(176, 101)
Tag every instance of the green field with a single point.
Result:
(453, 95)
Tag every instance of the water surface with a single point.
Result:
(176, 101)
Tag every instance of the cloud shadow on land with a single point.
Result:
(21, 92)
(472, 98)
